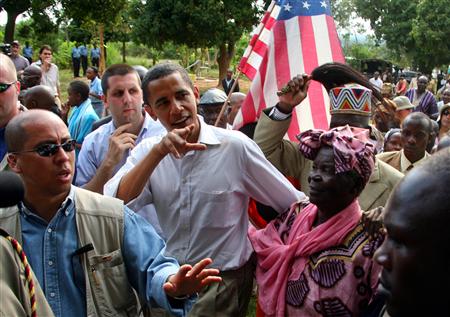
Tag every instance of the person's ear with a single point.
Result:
(105, 102)
(150, 111)
(196, 94)
(13, 163)
(18, 86)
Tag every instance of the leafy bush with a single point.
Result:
(62, 55)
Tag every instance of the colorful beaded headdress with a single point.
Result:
(351, 98)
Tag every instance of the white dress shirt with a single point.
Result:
(94, 150)
(202, 199)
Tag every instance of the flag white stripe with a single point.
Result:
(324, 55)
(265, 36)
(254, 60)
(270, 84)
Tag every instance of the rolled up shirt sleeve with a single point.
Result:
(147, 267)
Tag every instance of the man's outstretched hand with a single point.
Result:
(191, 279)
(175, 143)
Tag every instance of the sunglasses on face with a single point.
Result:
(50, 149)
(446, 112)
(4, 87)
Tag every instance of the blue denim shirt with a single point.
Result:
(50, 249)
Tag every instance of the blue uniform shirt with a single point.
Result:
(83, 50)
(75, 52)
(95, 53)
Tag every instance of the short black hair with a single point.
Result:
(80, 87)
(161, 71)
(419, 116)
(438, 184)
(117, 70)
(95, 69)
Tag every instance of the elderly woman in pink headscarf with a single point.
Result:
(316, 259)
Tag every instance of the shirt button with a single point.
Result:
(50, 263)
(49, 230)
(52, 294)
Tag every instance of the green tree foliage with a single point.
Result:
(431, 32)
(14, 8)
(195, 23)
(103, 13)
(415, 28)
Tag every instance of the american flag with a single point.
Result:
(294, 37)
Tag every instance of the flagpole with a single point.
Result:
(225, 104)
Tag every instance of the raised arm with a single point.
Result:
(132, 183)
(273, 125)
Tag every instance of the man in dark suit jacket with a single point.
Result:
(228, 82)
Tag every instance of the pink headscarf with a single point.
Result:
(352, 148)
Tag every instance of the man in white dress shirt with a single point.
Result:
(200, 179)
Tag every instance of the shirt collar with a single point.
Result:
(207, 135)
(64, 208)
(405, 163)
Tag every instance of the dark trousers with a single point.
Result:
(84, 64)
(95, 61)
(76, 67)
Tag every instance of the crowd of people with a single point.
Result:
(141, 198)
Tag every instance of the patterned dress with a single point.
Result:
(337, 281)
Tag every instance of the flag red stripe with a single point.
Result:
(282, 67)
(270, 22)
(260, 48)
(336, 48)
(317, 104)
(248, 110)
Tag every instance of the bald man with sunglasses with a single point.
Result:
(9, 106)
(90, 253)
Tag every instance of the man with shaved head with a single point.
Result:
(414, 255)
(30, 77)
(90, 253)
(416, 133)
(41, 97)
(236, 100)
(9, 107)
(422, 99)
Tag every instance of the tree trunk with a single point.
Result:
(10, 27)
(226, 53)
(102, 50)
(124, 53)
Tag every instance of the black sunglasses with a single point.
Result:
(4, 87)
(446, 112)
(50, 149)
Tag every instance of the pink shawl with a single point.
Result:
(275, 257)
